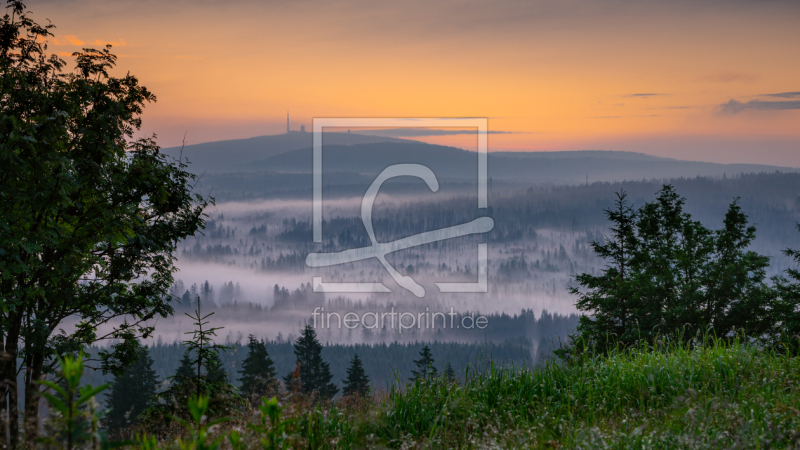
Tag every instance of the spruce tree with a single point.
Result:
(215, 372)
(315, 373)
(258, 371)
(425, 369)
(131, 392)
(209, 376)
(357, 382)
(667, 276)
(610, 295)
(449, 373)
(186, 301)
(200, 373)
(186, 370)
(786, 307)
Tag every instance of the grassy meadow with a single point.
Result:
(707, 395)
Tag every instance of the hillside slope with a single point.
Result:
(237, 154)
(549, 167)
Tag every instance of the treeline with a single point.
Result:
(771, 201)
(381, 361)
(138, 400)
(228, 304)
(302, 298)
(548, 229)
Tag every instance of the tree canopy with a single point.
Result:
(314, 373)
(89, 215)
(131, 392)
(786, 307)
(201, 373)
(425, 368)
(357, 382)
(258, 372)
(668, 276)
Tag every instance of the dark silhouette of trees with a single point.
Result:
(449, 373)
(201, 373)
(786, 309)
(357, 382)
(610, 295)
(258, 372)
(425, 369)
(315, 374)
(379, 360)
(186, 370)
(90, 216)
(131, 392)
(216, 373)
(667, 276)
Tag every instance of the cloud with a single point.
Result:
(643, 95)
(115, 43)
(735, 107)
(671, 107)
(783, 95)
(419, 132)
(67, 40)
(620, 117)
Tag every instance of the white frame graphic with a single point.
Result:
(477, 226)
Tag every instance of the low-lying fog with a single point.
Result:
(249, 264)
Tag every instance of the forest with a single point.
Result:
(647, 308)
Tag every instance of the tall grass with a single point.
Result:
(741, 394)
(710, 395)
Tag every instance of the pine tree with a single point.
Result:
(357, 382)
(215, 372)
(185, 370)
(315, 373)
(786, 307)
(200, 373)
(205, 357)
(610, 294)
(131, 392)
(207, 294)
(449, 373)
(735, 294)
(258, 371)
(186, 301)
(425, 369)
(668, 276)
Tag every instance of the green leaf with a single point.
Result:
(54, 387)
(56, 403)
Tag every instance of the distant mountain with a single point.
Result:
(282, 163)
(237, 154)
(574, 154)
(372, 158)
(550, 167)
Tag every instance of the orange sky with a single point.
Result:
(560, 75)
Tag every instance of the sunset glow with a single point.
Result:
(713, 81)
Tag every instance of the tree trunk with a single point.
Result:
(8, 378)
(13, 411)
(32, 396)
(4, 388)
